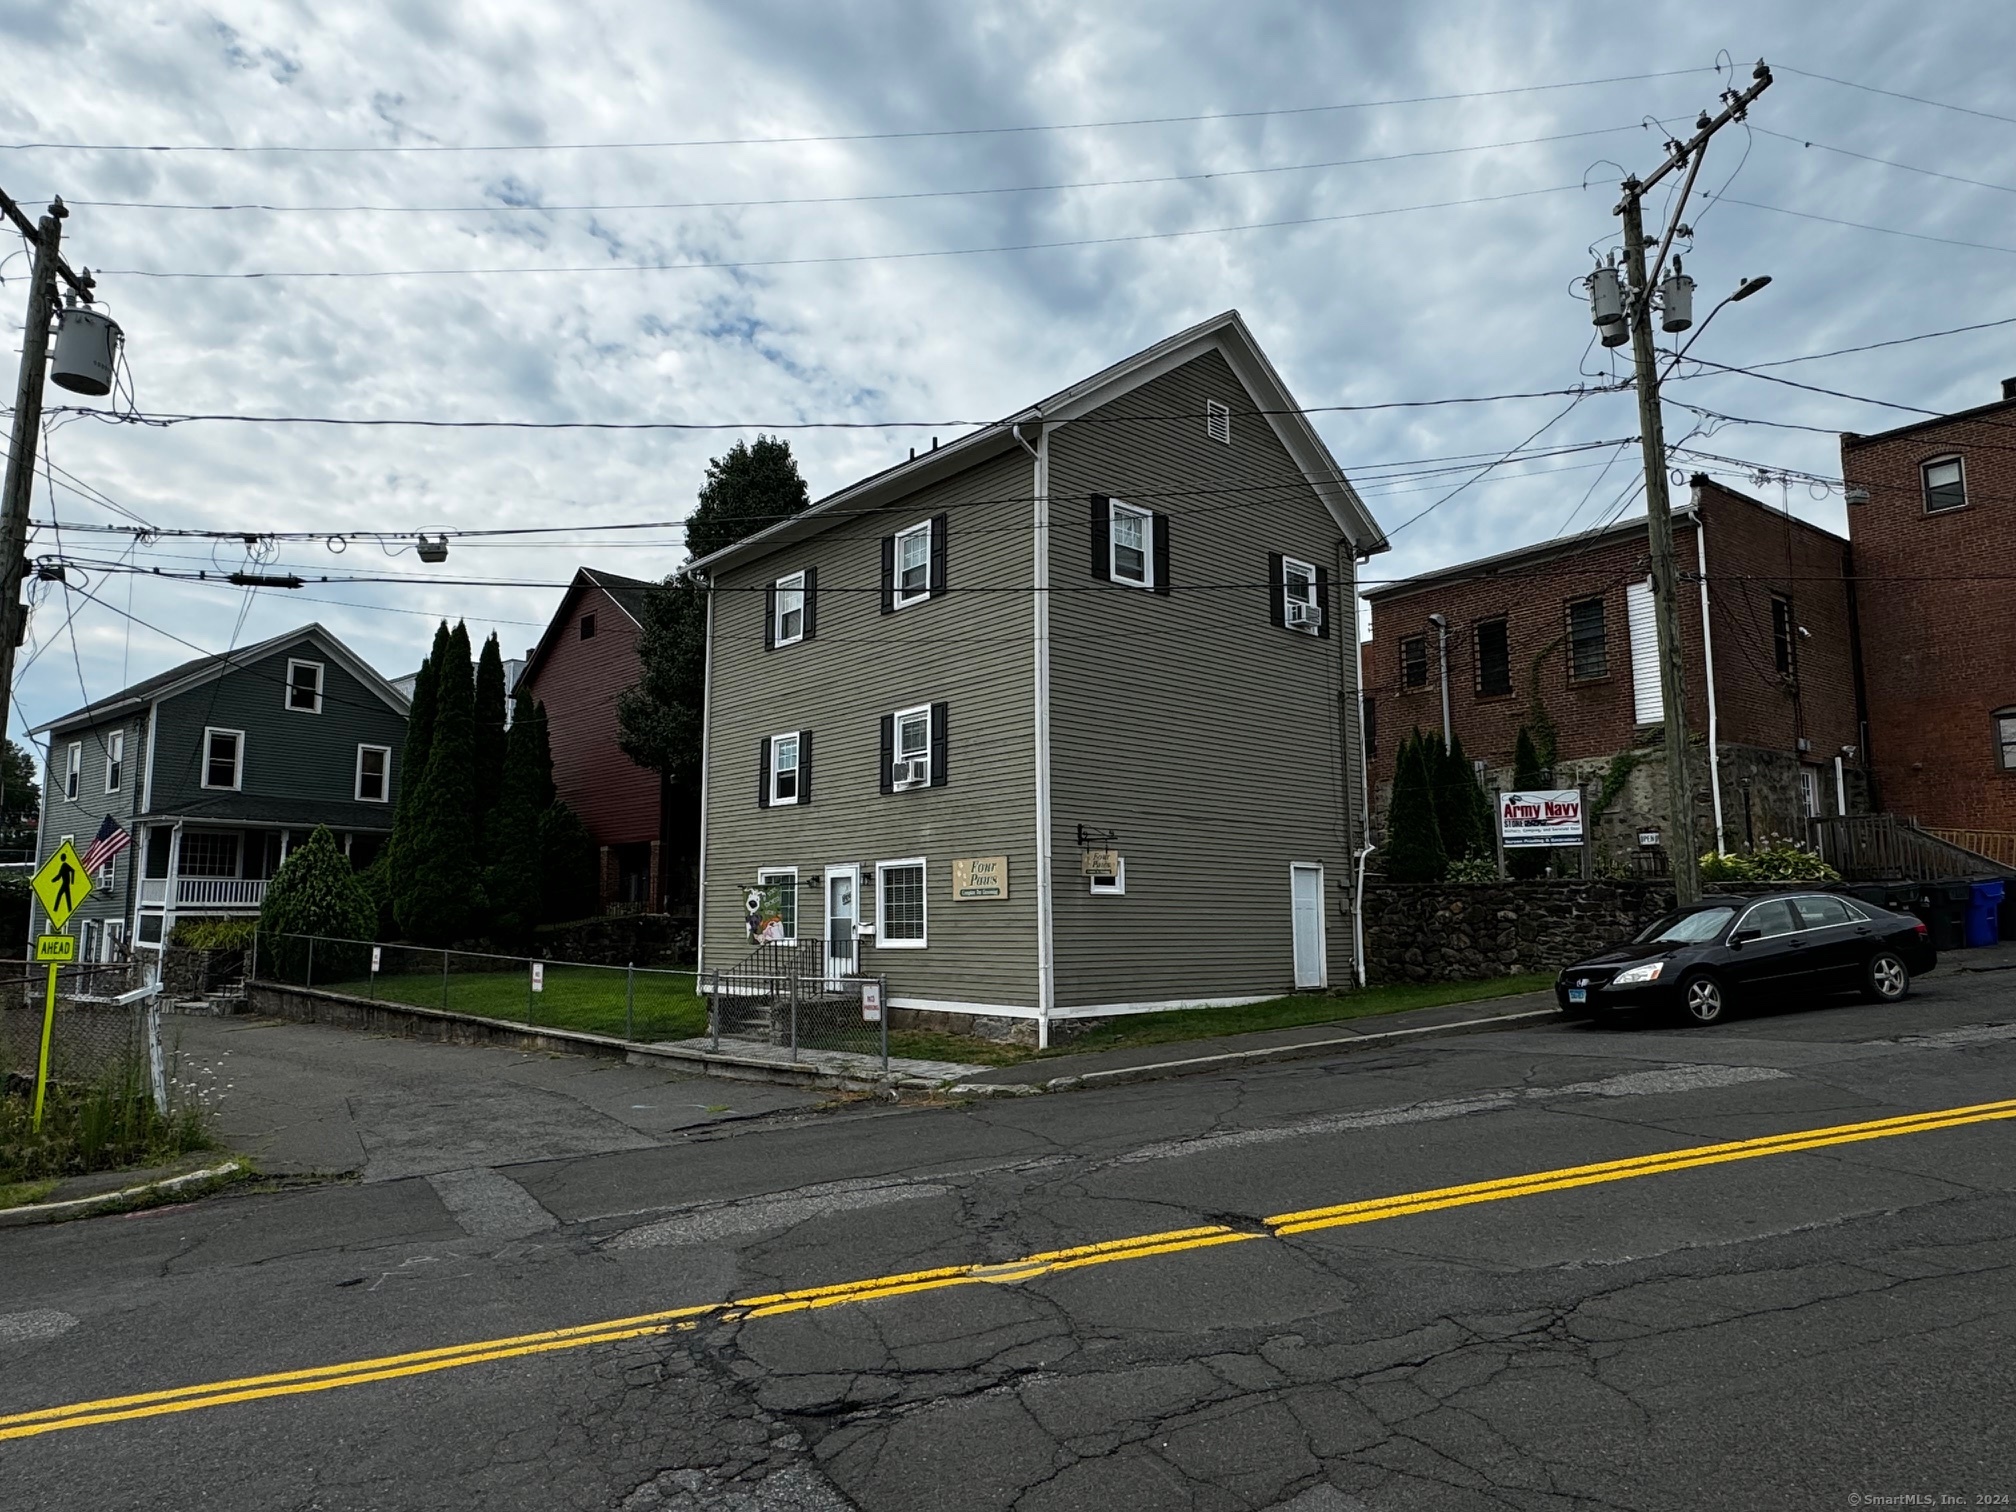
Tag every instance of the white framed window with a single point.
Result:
(1131, 544)
(2005, 739)
(374, 773)
(1111, 884)
(784, 881)
(784, 769)
(787, 625)
(1218, 421)
(1945, 480)
(73, 769)
(900, 908)
(304, 686)
(115, 760)
(1809, 791)
(910, 747)
(1300, 609)
(223, 758)
(208, 853)
(912, 566)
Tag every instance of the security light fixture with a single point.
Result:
(432, 548)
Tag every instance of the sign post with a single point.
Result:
(60, 886)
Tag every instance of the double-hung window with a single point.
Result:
(1301, 599)
(1414, 661)
(223, 758)
(2005, 739)
(787, 618)
(304, 687)
(913, 565)
(73, 770)
(1945, 481)
(899, 904)
(1131, 539)
(913, 748)
(779, 885)
(784, 783)
(115, 760)
(374, 773)
(1588, 652)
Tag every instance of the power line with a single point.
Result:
(857, 136)
(1831, 220)
(828, 259)
(1985, 115)
(1951, 178)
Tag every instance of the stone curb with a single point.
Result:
(1193, 1065)
(194, 1183)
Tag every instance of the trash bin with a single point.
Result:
(1984, 909)
(1944, 907)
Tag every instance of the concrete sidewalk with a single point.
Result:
(1060, 1072)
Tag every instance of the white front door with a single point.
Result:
(1306, 888)
(843, 916)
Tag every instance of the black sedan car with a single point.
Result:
(1697, 961)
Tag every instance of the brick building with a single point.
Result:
(1935, 548)
(1771, 693)
(582, 664)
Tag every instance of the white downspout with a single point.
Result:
(1840, 788)
(1708, 662)
(170, 896)
(706, 725)
(1046, 946)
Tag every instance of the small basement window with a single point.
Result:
(1945, 482)
(1113, 883)
(1218, 422)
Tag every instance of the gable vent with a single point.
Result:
(1218, 422)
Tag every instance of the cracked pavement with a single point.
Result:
(1781, 1332)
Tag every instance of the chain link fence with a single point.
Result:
(787, 996)
(641, 1003)
(103, 1027)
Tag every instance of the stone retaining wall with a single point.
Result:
(637, 939)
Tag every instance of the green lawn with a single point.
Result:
(666, 1007)
(587, 998)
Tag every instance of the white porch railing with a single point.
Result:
(203, 892)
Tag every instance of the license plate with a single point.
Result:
(1578, 994)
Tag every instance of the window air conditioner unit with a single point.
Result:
(907, 774)
(1301, 614)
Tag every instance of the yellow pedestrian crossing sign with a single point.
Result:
(62, 884)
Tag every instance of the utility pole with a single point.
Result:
(47, 239)
(1679, 834)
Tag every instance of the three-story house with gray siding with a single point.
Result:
(217, 768)
(1059, 719)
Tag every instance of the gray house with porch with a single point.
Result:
(217, 768)
(1059, 719)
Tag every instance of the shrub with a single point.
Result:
(214, 934)
(1472, 869)
(1413, 851)
(570, 884)
(316, 893)
(1779, 860)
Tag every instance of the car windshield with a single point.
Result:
(1682, 928)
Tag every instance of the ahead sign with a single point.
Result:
(1552, 817)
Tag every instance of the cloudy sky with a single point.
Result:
(577, 227)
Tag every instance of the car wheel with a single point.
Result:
(1703, 1000)
(1888, 979)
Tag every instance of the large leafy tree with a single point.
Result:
(488, 746)
(659, 721)
(20, 798)
(316, 893)
(443, 897)
(1413, 851)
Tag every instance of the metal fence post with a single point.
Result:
(444, 981)
(629, 998)
(311, 962)
(374, 973)
(791, 996)
(882, 992)
(528, 993)
(714, 1006)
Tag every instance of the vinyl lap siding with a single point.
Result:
(1213, 741)
(80, 819)
(971, 649)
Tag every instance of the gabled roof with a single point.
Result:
(206, 669)
(1225, 333)
(626, 593)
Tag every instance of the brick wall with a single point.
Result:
(1938, 656)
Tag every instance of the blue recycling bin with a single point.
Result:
(1984, 909)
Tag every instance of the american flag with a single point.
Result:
(111, 840)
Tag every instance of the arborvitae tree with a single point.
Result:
(315, 893)
(515, 878)
(489, 744)
(569, 887)
(1527, 772)
(411, 766)
(444, 899)
(1413, 851)
(1462, 812)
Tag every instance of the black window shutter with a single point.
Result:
(811, 602)
(938, 745)
(1160, 523)
(940, 524)
(1277, 590)
(763, 772)
(769, 616)
(1322, 604)
(1102, 538)
(804, 766)
(888, 752)
(888, 574)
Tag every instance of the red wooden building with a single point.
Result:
(583, 663)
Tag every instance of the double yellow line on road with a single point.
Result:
(1049, 1262)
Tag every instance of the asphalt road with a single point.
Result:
(1612, 1282)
